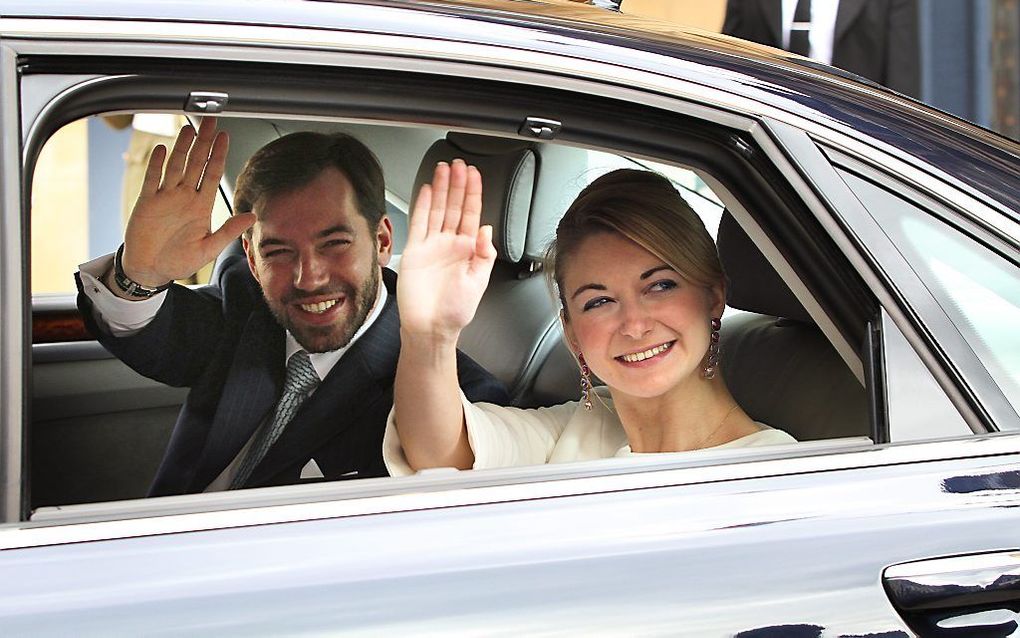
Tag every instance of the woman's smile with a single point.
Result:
(648, 355)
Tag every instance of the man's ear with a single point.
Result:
(384, 240)
(249, 251)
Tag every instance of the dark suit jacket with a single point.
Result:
(874, 38)
(223, 342)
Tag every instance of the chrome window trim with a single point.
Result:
(313, 46)
(916, 294)
(444, 489)
(12, 294)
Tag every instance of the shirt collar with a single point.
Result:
(323, 362)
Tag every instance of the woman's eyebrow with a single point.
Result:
(645, 275)
(648, 273)
(587, 287)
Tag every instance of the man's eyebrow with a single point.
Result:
(341, 229)
(648, 273)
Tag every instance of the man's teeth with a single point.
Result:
(320, 307)
(641, 356)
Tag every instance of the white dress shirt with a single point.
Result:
(823, 27)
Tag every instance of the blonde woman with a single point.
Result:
(641, 293)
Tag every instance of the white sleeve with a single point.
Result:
(120, 317)
(499, 436)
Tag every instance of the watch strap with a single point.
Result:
(129, 286)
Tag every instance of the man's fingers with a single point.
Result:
(455, 196)
(471, 216)
(178, 156)
(153, 171)
(217, 161)
(440, 189)
(417, 227)
(229, 231)
(198, 157)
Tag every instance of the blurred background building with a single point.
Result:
(969, 52)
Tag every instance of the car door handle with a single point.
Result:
(976, 595)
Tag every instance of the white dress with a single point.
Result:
(505, 437)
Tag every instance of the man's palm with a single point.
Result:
(169, 235)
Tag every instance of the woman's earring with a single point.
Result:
(585, 382)
(712, 365)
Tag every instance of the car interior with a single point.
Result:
(802, 367)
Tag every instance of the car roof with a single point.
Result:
(826, 95)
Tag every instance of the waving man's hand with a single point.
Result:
(446, 264)
(169, 235)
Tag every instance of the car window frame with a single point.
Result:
(686, 98)
(956, 357)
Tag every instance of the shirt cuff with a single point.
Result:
(120, 317)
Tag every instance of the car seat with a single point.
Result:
(779, 366)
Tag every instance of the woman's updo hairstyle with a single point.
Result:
(644, 207)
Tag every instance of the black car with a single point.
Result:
(871, 247)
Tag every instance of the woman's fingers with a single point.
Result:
(452, 203)
(485, 252)
(417, 227)
(440, 190)
(455, 198)
(471, 214)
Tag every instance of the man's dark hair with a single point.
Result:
(294, 160)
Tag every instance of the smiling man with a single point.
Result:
(291, 353)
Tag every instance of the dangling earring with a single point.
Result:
(712, 364)
(585, 382)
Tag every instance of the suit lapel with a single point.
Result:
(354, 384)
(847, 13)
(252, 387)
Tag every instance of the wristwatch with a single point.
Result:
(129, 286)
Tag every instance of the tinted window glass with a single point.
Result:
(978, 289)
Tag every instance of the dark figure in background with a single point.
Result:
(291, 353)
(877, 39)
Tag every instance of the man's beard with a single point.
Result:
(336, 335)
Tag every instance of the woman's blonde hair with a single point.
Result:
(645, 208)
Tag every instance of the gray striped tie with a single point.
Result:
(301, 379)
